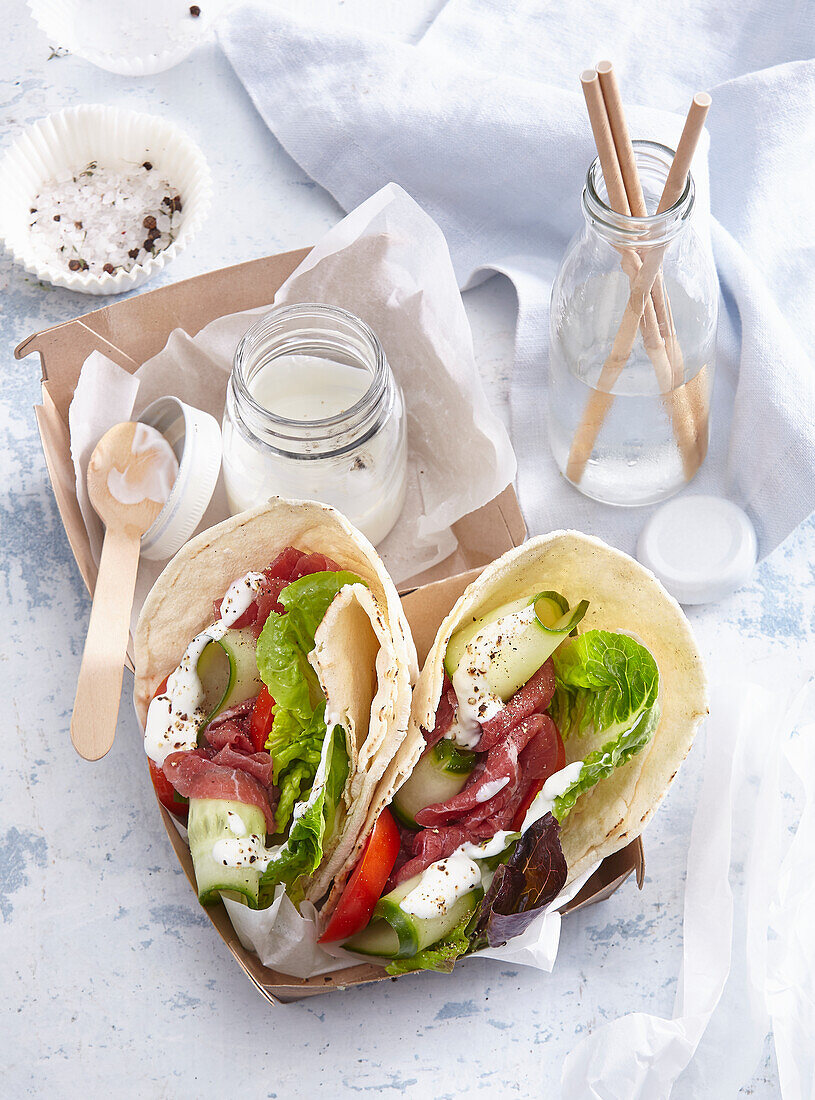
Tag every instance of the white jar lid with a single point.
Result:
(702, 548)
(195, 437)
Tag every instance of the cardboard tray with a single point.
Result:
(132, 331)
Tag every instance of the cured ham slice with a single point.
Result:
(429, 846)
(501, 763)
(257, 764)
(231, 728)
(446, 712)
(194, 775)
(228, 750)
(526, 754)
(533, 698)
(229, 735)
(289, 565)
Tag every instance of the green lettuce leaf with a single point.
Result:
(605, 683)
(607, 688)
(303, 851)
(602, 762)
(298, 727)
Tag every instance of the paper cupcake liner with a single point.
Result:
(118, 139)
(135, 40)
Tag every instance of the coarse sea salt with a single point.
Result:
(104, 220)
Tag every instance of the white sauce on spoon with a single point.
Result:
(151, 472)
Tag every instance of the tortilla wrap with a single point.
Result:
(364, 654)
(623, 597)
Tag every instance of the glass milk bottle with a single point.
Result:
(629, 417)
(313, 412)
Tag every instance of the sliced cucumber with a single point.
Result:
(461, 639)
(525, 646)
(209, 822)
(228, 671)
(440, 774)
(524, 651)
(377, 938)
(550, 606)
(395, 934)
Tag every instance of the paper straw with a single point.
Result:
(639, 312)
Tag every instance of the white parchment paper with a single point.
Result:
(286, 940)
(388, 263)
(749, 933)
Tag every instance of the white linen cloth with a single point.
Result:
(749, 938)
(483, 122)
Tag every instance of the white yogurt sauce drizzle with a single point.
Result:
(555, 786)
(441, 885)
(175, 716)
(492, 847)
(489, 789)
(245, 851)
(152, 472)
(476, 702)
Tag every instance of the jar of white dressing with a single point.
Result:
(313, 411)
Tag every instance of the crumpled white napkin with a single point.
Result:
(749, 936)
(484, 124)
(388, 263)
(286, 940)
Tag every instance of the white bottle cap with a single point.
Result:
(195, 437)
(702, 548)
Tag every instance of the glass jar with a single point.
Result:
(314, 412)
(630, 380)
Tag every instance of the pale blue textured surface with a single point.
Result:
(111, 977)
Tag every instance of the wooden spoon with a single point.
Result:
(122, 479)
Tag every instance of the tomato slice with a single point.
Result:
(261, 721)
(165, 791)
(367, 881)
(556, 764)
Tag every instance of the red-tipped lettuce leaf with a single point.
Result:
(522, 888)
